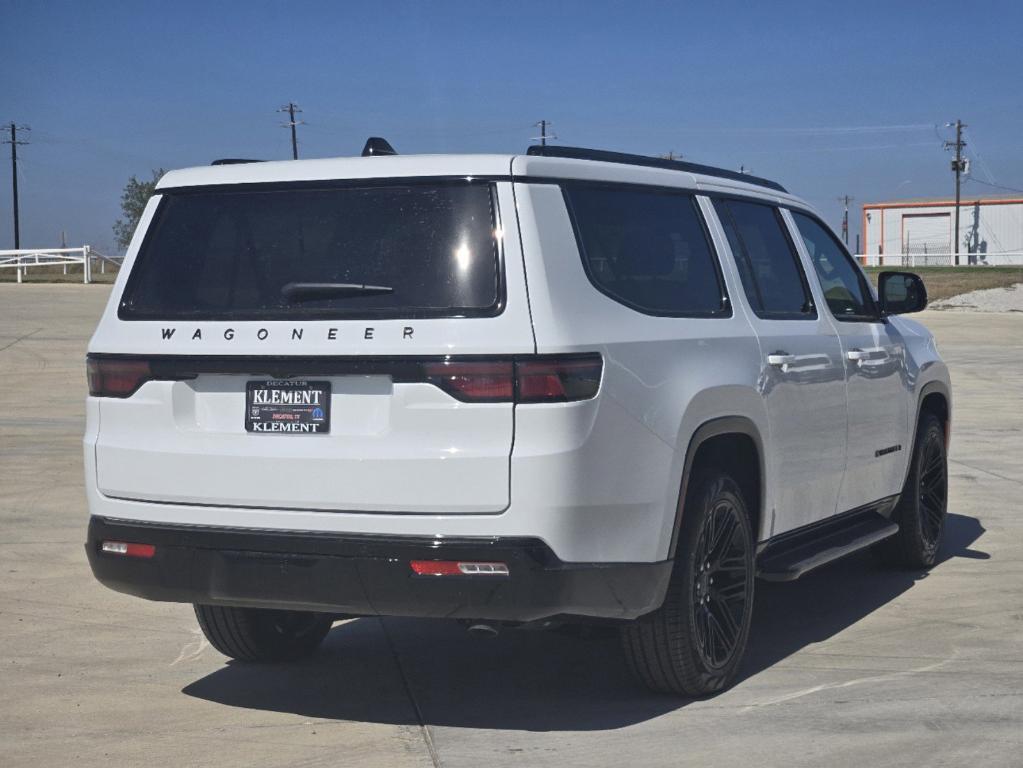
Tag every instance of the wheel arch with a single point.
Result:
(934, 397)
(712, 440)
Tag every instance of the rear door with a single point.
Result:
(802, 374)
(875, 365)
(367, 326)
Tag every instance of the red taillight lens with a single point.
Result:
(473, 382)
(558, 380)
(546, 379)
(116, 378)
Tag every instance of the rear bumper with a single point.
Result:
(368, 575)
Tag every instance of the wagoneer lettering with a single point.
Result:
(297, 334)
(566, 386)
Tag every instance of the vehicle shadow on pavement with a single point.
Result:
(395, 670)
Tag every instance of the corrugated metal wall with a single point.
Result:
(985, 229)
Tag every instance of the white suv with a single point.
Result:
(565, 386)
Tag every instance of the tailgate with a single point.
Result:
(365, 290)
(392, 446)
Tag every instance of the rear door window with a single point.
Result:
(769, 267)
(647, 249)
(424, 249)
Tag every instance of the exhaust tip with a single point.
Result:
(483, 630)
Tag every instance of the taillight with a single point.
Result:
(533, 379)
(475, 382)
(543, 379)
(112, 377)
(558, 379)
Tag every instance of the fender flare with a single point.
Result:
(724, 425)
(935, 386)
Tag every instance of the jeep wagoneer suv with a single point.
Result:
(564, 386)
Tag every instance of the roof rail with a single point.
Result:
(580, 153)
(234, 161)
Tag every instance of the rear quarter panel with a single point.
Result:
(663, 378)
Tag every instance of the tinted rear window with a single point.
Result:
(647, 249)
(768, 264)
(229, 254)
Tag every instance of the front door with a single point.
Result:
(802, 375)
(875, 365)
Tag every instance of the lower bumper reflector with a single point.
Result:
(128, 549)
(456, 568)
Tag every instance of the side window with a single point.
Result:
(647, 249)
(844, 286)
(768, 264)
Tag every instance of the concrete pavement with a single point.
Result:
(851, 666)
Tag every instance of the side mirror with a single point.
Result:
(901, 293)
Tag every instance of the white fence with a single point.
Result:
(25, 258)
(941, 259)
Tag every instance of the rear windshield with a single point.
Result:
(421, 250)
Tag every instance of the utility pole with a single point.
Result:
(12, 129)
(543, 125)
(958, 166)
(291, 109)
(845, 200)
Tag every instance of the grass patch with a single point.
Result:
(54, 273)
(945, 282)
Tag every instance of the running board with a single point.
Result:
(791, 555)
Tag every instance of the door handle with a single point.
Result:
(856, 355)
(780, 359)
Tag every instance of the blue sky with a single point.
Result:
(827, 98)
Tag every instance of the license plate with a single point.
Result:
(288, 406)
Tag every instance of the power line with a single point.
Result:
(812, 131)
(12, 132)
(983, 164)
(291, 108)
(997, 186)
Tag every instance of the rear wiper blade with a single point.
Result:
(313, 291)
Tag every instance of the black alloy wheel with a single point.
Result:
(932, 489)
(923, 505)
(694, 643)
(720, 585)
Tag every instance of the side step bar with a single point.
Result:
(789, 556)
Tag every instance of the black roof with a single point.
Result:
(580, 153)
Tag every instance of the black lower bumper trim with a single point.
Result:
(368, 575)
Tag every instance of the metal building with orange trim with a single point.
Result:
(990, 228)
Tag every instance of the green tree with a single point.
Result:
(133, 201)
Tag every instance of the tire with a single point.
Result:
(923, 505)
(261, 635)
(693, 644)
